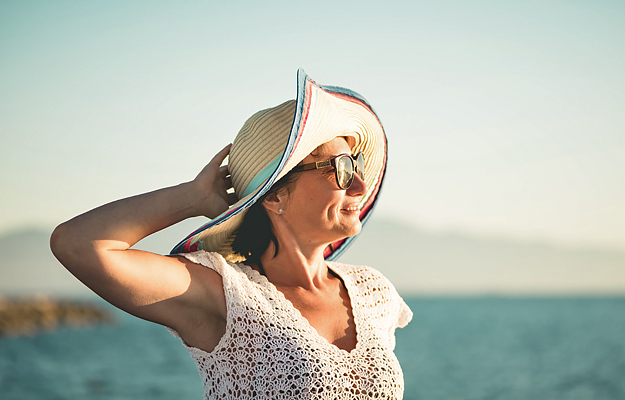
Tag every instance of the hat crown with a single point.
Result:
(260, 142)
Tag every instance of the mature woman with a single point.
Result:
(253, 294)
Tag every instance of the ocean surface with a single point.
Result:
(454, 348)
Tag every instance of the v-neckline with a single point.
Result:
(298, 314)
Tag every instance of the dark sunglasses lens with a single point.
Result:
(360, 165)
(344, 172)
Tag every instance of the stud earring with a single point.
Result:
(280, 211)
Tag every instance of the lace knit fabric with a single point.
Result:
(270, 351)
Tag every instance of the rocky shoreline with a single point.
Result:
(29, 316)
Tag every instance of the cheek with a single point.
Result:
(315, 199)
(316, 204)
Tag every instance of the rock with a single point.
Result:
(28, 316)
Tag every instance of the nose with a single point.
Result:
(358, 187)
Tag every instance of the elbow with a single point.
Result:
(61, 244)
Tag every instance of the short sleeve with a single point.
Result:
(377, 291)
(213, 261)
(404, 313)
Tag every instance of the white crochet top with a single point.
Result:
(270, 351)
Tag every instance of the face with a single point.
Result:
(316, 208)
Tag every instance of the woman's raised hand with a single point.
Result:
(213, 182)
(97, 248)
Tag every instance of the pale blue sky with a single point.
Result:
(503, 118)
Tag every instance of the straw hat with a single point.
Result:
(275, 140)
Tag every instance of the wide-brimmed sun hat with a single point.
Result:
(273, 141)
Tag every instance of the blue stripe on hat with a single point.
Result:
(261, 177)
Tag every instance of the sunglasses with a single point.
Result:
(344, 168)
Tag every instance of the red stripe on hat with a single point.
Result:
(331, 248)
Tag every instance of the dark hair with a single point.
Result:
(253, 236)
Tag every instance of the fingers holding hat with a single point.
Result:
(224, 173)
(213, 172)
(230, 197)
(215, 186)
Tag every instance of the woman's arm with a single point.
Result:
(95, 247)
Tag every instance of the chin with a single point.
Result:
(354, 229)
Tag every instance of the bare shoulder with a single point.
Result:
(199, 316)
(195, 294)
(206, 287)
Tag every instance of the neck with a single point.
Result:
(299, 262)
(294, 266)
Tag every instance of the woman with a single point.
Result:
(252, 294)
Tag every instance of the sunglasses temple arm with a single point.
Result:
(314, 165)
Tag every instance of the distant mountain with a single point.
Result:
(27, 266)
(420, 261)
(417, 261)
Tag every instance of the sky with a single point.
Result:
(503, 118)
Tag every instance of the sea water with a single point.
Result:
(454, 348)
(514, 348)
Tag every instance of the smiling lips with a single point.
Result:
(351, 209)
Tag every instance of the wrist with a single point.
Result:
(202, 202)
(192, 199)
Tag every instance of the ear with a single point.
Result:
(275, 202)
(351, 141)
